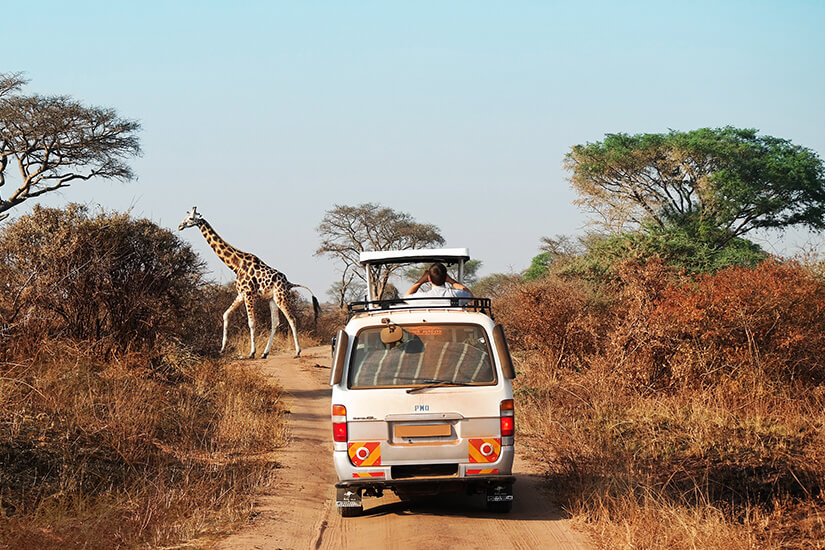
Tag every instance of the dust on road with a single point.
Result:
(302, 514)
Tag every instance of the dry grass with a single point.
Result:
(123, 454)
(117, 429)
(678, 413)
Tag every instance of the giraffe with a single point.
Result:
(253, 277)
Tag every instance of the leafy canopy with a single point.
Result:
(718, 183)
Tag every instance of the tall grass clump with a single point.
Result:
(678, 410)
(117, 429)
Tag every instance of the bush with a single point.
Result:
(114, 430)
(740, 323)
(556, 319)
(496, 284)
(677, 246)
(678, 410)
(122, 283)
(766, 322)
(108, 454)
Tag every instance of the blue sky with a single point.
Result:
(266, 114)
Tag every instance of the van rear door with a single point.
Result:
(432, 398)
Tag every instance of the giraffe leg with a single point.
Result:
(273, 308)
(233, 307)
(249, 300)
(289, 312)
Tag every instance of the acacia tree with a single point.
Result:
(54, 141)
(346, 231)
(718, 183)
(348, 288)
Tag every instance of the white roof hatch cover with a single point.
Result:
(445, 255)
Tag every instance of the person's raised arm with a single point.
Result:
(425, 277)
(457, 285)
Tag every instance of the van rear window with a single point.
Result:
(426, 354)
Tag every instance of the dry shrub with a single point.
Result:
(115, 430)
(768, 321)
(118, 282)
(678, 412)
(329, 323)
(556, 319)
(110, 452)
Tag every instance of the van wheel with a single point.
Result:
(351, 511)
(500, 507)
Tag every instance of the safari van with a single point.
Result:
(422, 401)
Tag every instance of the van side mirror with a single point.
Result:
(503, 352)
(339, 357)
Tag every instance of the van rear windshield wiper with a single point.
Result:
(437, 383)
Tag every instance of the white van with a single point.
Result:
(422, 401)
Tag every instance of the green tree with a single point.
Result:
(54, 141)
(715, 184)
(539, 267)
(346, 231)
(675, 246)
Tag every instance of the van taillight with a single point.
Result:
(339, 423)
(508, 421)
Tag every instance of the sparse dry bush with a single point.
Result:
(115, 430)
(329, 323)
(767, 321)
(556, 319)
(102, 455)
(678, 412)
(122, 283)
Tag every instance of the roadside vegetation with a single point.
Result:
(118, 426)
(677, 411)
(671, 373)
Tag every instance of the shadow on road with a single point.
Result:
(530, 504)
(310, 394)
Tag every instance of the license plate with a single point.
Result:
(422, 430)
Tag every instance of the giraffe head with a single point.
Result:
(192, 219)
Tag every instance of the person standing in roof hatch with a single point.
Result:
(437, 276)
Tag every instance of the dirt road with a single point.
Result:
(302, 515)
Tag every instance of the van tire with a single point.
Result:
(500, 507)
(351, 511)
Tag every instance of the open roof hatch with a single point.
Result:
(444, 255)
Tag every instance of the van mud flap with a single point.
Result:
(348, 497)
(500, 493)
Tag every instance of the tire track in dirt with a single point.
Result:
(301, 514)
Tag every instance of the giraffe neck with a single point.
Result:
(228, 254)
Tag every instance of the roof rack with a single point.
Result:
(480, 305)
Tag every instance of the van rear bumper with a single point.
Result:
(469, 483)
(383, 474)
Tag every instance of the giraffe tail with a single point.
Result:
(316, 307)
